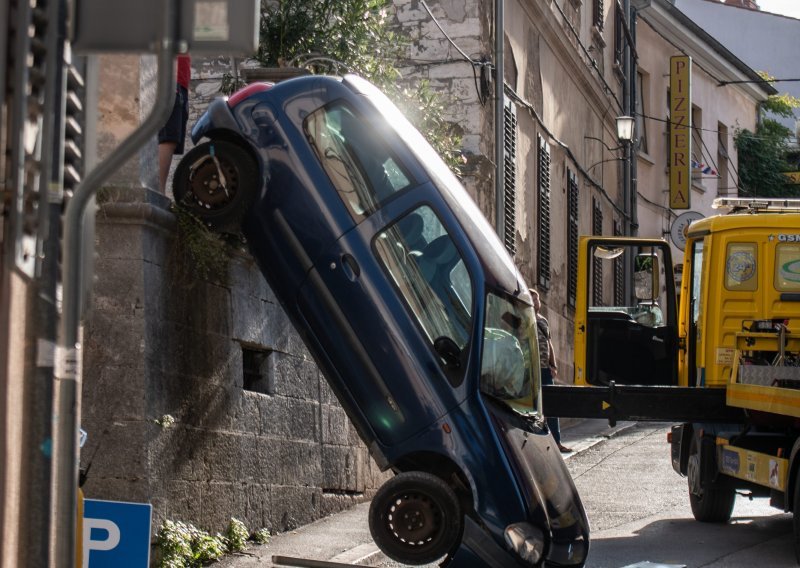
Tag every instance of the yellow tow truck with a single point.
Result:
(720, 353)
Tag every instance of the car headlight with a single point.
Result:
(526, 540)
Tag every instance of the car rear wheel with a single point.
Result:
(415, 518)
(712, 501)
(216, 181)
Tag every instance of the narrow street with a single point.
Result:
(639, 511)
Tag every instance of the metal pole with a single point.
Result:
(499, 108)
(67, 365)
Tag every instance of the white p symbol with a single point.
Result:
(110, 542)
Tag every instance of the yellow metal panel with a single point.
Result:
(767, 399)
(762, 469)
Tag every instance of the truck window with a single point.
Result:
(427, 269)
(787, 267)
(741, 267)
(510, 358)
(358, 163)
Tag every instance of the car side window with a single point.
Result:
(357, 161)
(428, 270)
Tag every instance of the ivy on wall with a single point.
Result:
(765, 154)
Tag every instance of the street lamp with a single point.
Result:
(625, 128)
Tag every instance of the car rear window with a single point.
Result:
(356, 159)
(787, 267)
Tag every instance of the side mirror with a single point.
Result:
(646, 281)
(447, 349)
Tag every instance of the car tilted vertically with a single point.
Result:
(409, 304)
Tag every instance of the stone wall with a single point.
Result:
(167, 357)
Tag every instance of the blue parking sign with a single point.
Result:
(116, 534)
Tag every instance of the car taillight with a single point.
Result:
(247, 92)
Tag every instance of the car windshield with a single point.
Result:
(509, 363)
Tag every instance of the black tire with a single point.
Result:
(197, 186)
(415, 518)
(711, 502)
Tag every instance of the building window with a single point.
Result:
(543, 215)
(510, 177)
(597, 16)
(619, 272)
(258, 370)
(572, 238)
(619, 35)
(597, 262)
(641, 112)
(722, 160)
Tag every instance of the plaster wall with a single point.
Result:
(719, 105)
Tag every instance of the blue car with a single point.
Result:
(411, 307)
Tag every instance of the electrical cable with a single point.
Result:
(529, 107)
(474, 62)
(608, 89)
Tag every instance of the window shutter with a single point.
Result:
(572, 238)
(597, 273)
(598, 14)
(510, 178)
(543, 214)
(619, 272)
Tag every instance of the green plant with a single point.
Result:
(328, 36)
(763, 153)
(236, 536)
(261, 536)
(182, 545)
(205, 252)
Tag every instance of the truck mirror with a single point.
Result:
(646, 277)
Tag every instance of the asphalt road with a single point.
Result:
(639, 511)
(638, 508)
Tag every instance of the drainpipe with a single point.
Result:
(499, 95)
(634, 223)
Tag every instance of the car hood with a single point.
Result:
(549, 489)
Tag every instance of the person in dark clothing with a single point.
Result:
(548, 365)
(172, 135)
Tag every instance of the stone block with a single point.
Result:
(112, 393)
(290, 462)
(126, 490)
(113, 339)
(340, 470)
(121, 451)
(337, 430)
(296, 377)
(289, 418)
(293, 506)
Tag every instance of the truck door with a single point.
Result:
(625, 323)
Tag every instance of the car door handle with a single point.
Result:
(350, 267)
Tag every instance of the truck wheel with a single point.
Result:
(216, 181)
(415, 518)
(711, 502)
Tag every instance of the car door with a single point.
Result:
(626, 324)
(390, 305)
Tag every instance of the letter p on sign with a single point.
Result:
(116, 534)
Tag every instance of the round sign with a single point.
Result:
(680, 225)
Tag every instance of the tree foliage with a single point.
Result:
(763, 154)
(357, 36)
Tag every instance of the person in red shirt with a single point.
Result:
(172, 135)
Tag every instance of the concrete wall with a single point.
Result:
(162, 342)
